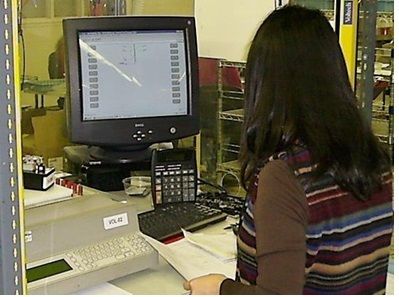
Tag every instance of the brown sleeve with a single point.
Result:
(281, 215)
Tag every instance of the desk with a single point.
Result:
(161, 279)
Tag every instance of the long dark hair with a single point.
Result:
(297, 88)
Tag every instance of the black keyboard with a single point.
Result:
(167, 220)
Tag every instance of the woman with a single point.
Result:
(318, 215)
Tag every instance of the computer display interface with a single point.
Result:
(131, 81)
(146, 68)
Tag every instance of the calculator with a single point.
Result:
(173, 175)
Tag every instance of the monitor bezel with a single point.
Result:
(102, 132)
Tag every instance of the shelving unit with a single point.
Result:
(382, 123)
(231, 113)
(383, 110)
(230, 117)
(374, 87)
(12, 250)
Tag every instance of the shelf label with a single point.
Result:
(115, 221)
(348, 12)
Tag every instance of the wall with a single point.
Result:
(225, 28)
(162, 7)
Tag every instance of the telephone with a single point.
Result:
(173, 175)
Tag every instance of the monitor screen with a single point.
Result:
(147, 67)
(131, 81)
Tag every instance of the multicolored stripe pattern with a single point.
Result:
(246, 241)
(347, 239)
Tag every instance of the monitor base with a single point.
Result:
(104, 175)
(123, 155)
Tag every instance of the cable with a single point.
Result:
(237, 179)
(220, 188)
(232, 205)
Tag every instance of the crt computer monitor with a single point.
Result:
(131, 81)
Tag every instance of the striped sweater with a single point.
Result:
(347, 240)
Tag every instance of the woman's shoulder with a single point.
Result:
(277, 171)
(295, 157)
(279, 188)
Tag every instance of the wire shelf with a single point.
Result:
(232, 115)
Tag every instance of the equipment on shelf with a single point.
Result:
(167, 220)
(174, 175)
(83, 242)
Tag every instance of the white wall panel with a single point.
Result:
(225, 28)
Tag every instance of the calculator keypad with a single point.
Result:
(175, 185)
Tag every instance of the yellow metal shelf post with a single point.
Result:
(347, 13)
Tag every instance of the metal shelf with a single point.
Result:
(231, 167)
(235, 95)
(384, 138)
(230, 111)
(225, 63)
(230, 148)
(236, 115)
(382, 123)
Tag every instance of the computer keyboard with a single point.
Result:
(111, 251)
(90, 265)
(167, 220)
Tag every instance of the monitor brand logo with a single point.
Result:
(115, 221)
(139, 125)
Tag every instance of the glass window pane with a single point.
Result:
(319, 4)
(35, 9)
(63, 8)
(160, 7)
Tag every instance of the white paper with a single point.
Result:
(222, 245)
(103, 289)
(191, 261)
(57, 193)
(390, 284)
